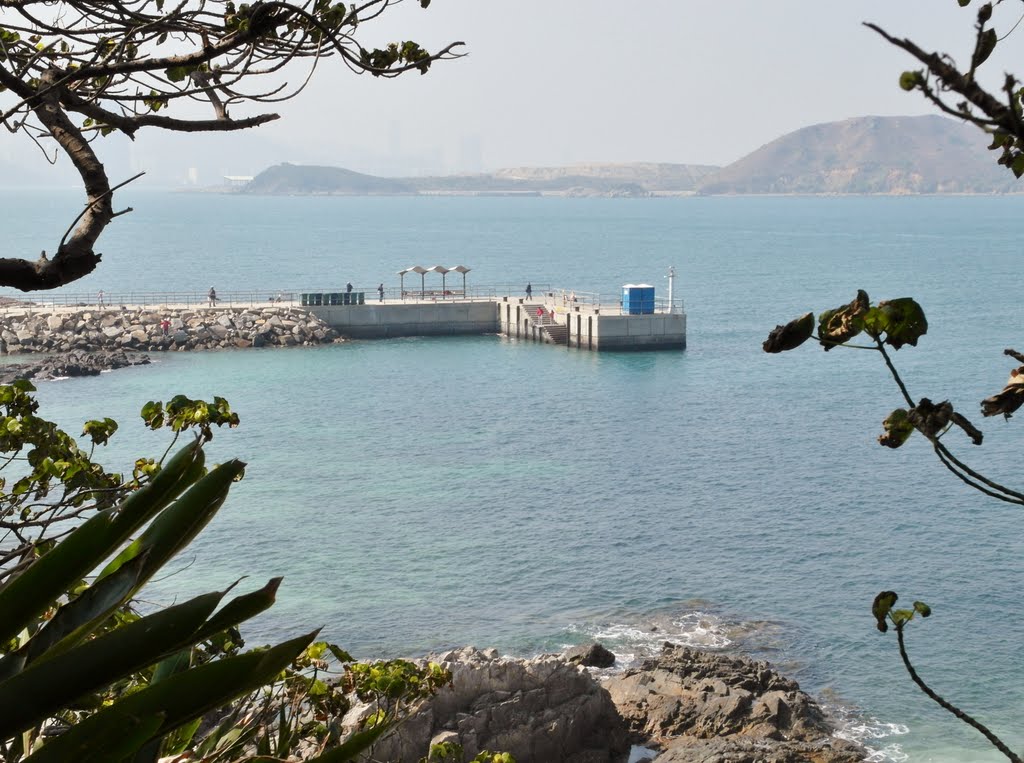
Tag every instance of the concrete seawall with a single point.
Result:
(381, 320)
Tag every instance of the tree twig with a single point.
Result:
(948, 706)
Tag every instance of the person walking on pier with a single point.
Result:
(213, 297)
(99, 298)
(529, 291)
(380, 290)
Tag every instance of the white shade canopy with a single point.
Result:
(444, 293)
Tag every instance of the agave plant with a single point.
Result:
(64, 642)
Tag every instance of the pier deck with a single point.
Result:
(574, 324)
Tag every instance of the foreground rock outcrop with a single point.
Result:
(543, 710)
(703, 706)
(686, 705)
(155, 330)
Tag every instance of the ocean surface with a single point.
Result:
(419, 494)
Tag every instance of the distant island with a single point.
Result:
(866, 155)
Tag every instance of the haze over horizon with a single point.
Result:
(577, 81)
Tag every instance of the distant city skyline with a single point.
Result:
(577, 81)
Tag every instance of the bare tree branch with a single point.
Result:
(92, 68)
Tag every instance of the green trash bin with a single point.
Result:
(318, 299)
(345, 298)
(362, 297)
(305, 300)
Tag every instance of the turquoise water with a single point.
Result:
(424, 493)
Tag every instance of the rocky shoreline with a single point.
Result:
(682, 706)
(134, 329)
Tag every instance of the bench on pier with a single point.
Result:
(432, 293)
(335, 298)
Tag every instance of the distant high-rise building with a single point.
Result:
(470, 157)
(193, 176)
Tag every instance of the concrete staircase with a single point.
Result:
(555, 332)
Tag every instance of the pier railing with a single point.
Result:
(566, 299)
(607, 304)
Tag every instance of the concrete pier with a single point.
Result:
(545, 319)
(549, 317)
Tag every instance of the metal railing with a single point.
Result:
(563, 300)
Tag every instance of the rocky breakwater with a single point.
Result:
(683, 706)
(143, 329)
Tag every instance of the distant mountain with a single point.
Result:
(298, 179)
(580, 180)
(869, 155)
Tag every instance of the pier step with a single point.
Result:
(555, 332)
(558, 334)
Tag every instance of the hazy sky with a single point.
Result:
(550, 82)
(554, 82)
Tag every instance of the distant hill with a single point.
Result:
(297, 179)
(636, 179)
(869, 155)
(580, 180)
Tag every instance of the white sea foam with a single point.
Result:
(869, 732)
(633, 641)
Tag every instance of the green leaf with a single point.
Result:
(901, 320)
(1017, 165)
(881, 606)
(998, 140)
(80, 616)
(45, 687)
(241, 609)
(119, 736)
(34, 590)
(986, 44)
(922, 609)
(100, 431)
(354, 745)
(790, 336)
(179, 73)
(898, 428)
(340, 654)
(910, 79)
(176, 526)
(901, 616)
(183, 697)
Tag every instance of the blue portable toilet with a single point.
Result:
(637, 299)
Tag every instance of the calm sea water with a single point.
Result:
(424, 493)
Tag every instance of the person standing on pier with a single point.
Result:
(99, 298)
(213, 297)
(380, 290)
(529, 291)
(348, 288)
